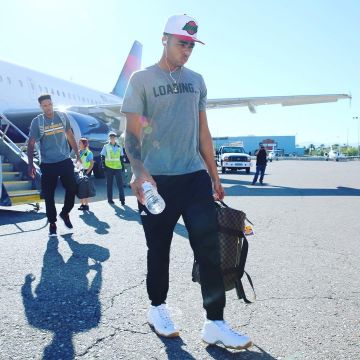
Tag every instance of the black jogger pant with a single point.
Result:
(50, 172)
(189, 196)
(110, 173)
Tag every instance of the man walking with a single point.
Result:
(168, 142)
(260, 164)
(52, 129)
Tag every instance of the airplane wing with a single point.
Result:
(111, 114)
(252, 102)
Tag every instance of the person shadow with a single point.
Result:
(174, 348)
(129, 214)
(92, 220)
(126, 213)
(221, 353)
(65, 301)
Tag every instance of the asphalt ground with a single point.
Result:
(82, 295)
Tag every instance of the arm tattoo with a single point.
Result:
(133, 150)
(132, 146)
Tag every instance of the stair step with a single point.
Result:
(7, 167)
(24, 197)
(10, 175)
(15, 193)
(17, 185)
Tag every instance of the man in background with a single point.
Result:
(52, 130)
(260, 164)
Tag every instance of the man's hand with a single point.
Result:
(219, 190)
(31, 171)
(136, 185)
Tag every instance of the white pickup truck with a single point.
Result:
(233, 158)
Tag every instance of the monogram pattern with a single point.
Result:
(231, 226)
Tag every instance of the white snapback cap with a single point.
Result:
(183, 27)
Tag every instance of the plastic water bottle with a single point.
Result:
(153, 200)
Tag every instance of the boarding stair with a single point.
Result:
(15, 185)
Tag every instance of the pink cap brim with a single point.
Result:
(187, 38)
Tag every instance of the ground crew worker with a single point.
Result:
(87, 162)
(111, 159)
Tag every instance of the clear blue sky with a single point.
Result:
(253, 48)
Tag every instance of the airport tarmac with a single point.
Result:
(86, 297)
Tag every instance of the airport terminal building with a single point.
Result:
(284, 145)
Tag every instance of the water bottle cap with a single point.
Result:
(146, 185)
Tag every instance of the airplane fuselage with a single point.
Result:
(20, 87)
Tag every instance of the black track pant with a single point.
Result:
(50, 173)
(189, 196)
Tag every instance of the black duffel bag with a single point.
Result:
(85, 186)
(233, 250)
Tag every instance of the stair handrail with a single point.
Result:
(19, 150)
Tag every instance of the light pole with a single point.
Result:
(358, 133)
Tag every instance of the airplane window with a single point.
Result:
(83, 99)
(9, 80)
(32, 86)
(52, 91)
(21, 83)
(1, 78)
(58, 92)
(46, 89)
(40, 88)
(69, 95)
(63, 94)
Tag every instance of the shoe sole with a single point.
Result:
(243, 347)
(52, 235)
(172, 335)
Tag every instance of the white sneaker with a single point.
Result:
(219, 332)
(159, 319)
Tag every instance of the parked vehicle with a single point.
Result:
(233, 157)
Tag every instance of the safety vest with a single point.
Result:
(86, 164)
(112, 158)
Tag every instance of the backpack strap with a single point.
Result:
(240, 289)
(63, 118)
(241, 270)
(226, 206)
(41, 125)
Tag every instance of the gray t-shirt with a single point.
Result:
(170, 119)
(53, 144)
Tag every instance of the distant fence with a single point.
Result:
(312, 158)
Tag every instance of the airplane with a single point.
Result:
(93, 118)
(20, 88)
(334, 155)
